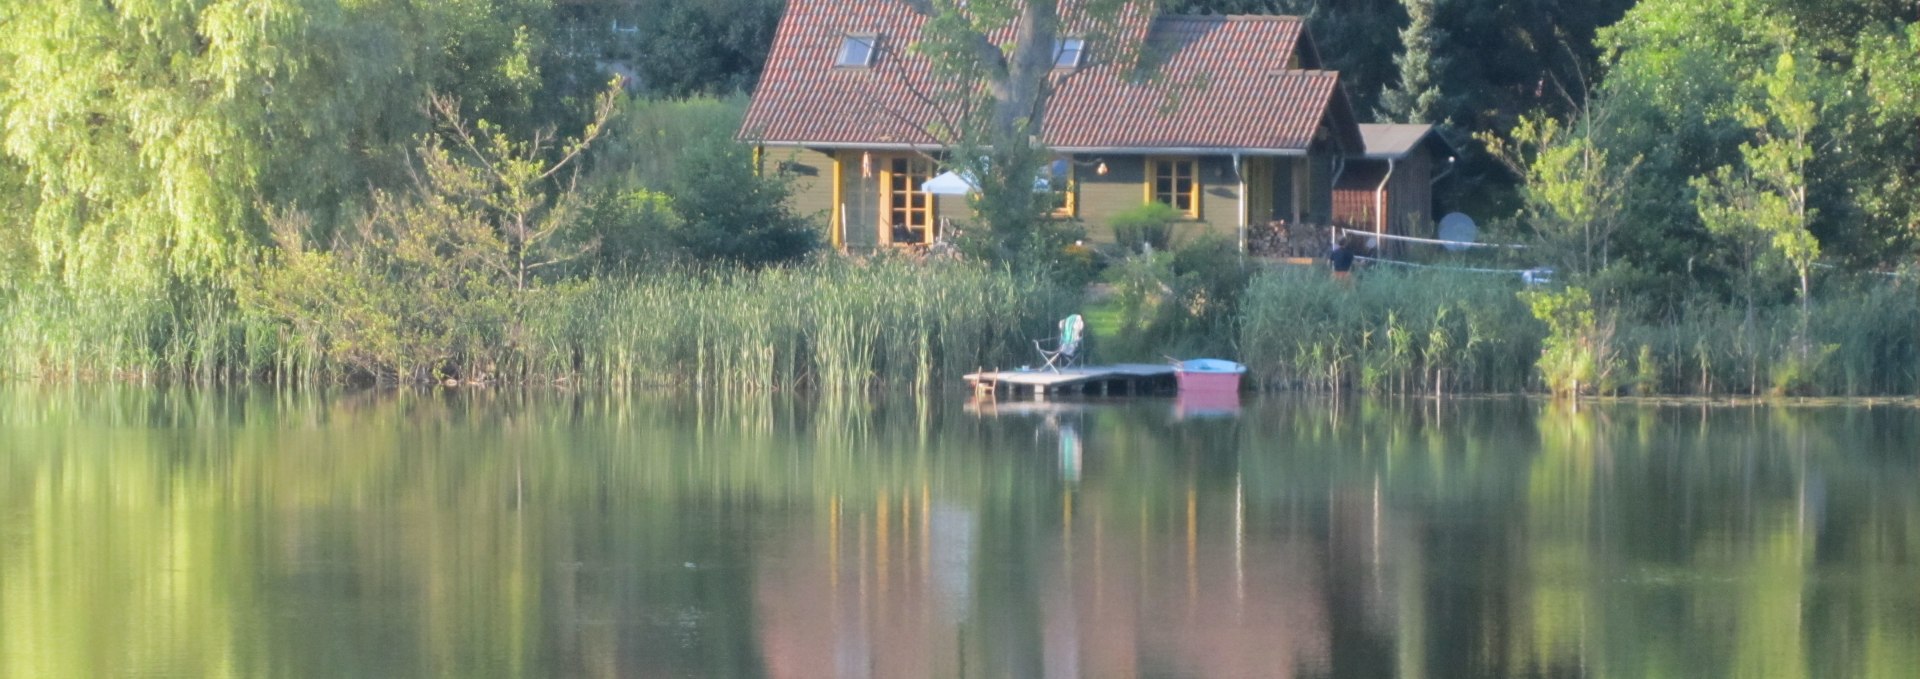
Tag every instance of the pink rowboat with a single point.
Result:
(1208, 376)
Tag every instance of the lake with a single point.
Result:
(258, 533)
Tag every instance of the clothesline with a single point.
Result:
(1411, 239)
(1503, 272)
(1889, 274)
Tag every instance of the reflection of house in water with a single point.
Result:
(1107, 587)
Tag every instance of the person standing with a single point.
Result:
(1341, 257)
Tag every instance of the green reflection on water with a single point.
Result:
(478, 534)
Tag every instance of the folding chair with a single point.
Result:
(1066, 345)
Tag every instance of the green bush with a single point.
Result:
(647, 138)
(1577, 355)
(1183, 302)
(424, 292)
(626, 229)
(731, 213)
(1148, 226)
(1646, 373)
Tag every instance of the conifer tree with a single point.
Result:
(1417, 97)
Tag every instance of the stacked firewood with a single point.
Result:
(1281, 238)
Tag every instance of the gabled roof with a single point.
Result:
(1224, 84)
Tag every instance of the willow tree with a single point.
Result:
(147, 127)
(993, 61)
(152, 131)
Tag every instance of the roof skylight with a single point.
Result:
(1067, 52)
(856, 50)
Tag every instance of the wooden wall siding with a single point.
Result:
(1319, 201)
(1259, 178)
(1410, 197)
(1282, 188)
(1124, 187)
(1219, 201)
(812, 173)
(1102, 197)
(1353, 205)
(1408, 201)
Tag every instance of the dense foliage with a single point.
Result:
(245, 187)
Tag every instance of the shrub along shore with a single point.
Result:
(844, 326)
(1431, 332)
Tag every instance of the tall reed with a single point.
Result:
(837, 326)
(841, 327)
(80, 332)
(1388, 331)
(1865, 342)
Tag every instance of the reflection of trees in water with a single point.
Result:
(488, 534)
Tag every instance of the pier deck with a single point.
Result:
(1126, 378)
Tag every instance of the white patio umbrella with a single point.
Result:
(956, 184)
(950, 184)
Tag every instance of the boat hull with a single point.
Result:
(1208, 376)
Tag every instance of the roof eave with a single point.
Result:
(878, 146)
(1182, 150)
(1126, 150)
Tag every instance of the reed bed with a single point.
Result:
(836, 326)
(76, 333)
(1865, 343)
(845, 327)
(1388, 332)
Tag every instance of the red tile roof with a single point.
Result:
(1228, 75)
(804, 98)
(1224, 85)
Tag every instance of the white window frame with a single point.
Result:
(1069, 52)
(844, 57)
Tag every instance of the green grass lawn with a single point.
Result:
(1104, 319)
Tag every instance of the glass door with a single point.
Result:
(908, 210)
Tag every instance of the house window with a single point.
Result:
(856, 51)
(909, 210)
(1067, 52)
(1060, 187)
(1176, 182)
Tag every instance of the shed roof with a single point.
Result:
(1395, 141)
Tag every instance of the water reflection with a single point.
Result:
(206, 534)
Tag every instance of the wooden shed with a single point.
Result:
(1389, 188)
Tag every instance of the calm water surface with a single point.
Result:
(150, 533)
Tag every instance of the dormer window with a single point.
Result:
(1067, 52)
(856, 50)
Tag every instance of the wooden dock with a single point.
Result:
(1126, 378)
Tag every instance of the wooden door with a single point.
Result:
(906, 212)
(1258, 178)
